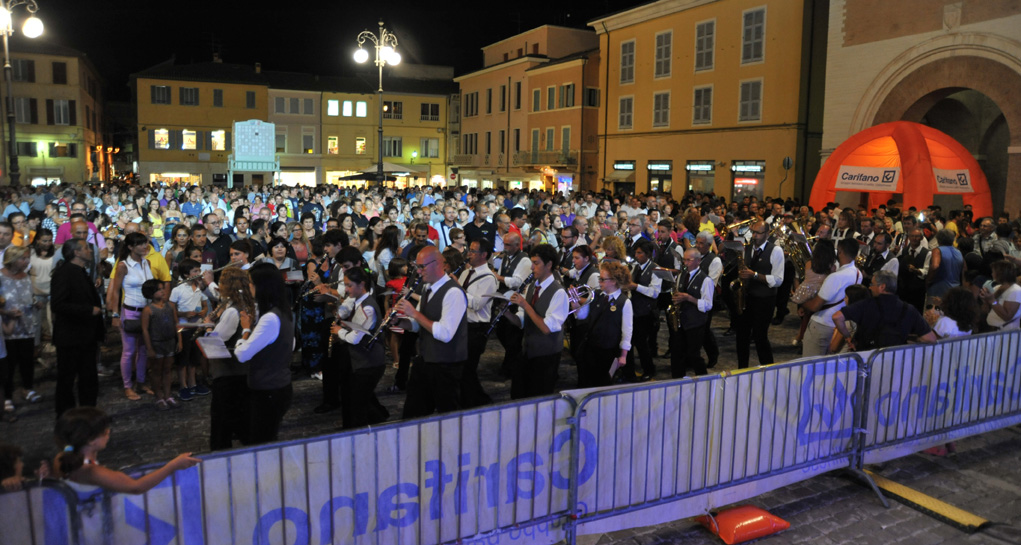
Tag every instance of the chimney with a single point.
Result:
(258, 68)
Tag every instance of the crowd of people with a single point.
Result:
(215, 292)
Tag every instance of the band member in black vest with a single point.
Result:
(479, 284)
(267, 350)
(607, 317)
(568, 242)
(865, 237)
(360, 405)
(644, 287)
(763, 274)
(668, 255)
(542, 311)
(584, 273)
(511, 270)
(712, 266)
(442, 323)
(913, 267)
(880, 259)
(694, 297)
(635, 227)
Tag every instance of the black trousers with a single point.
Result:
(594, 366)
(727, 296)
(266, 411)
(641, 342)
(754, 323)
(336, 372)
(433, 387)
(20, 357)
(365, 408)
(712, 348)
(472, 393)
(228, 412)
(76, 363)
(654, 334)
(685, 352)
(783, 293)
(408, 350)
(510, 337)
(535, 376)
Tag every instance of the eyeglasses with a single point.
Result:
(760, 232)
(424, 265)
(601, 279)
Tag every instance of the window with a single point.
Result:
(705, 42)
(663, 43)
(25, 110)
(392, 146)
(88, 117)
(360, 145)
(188, 139)
(592, 97)
(281, 143)
(279, 105)
(751, 101)
(517, 140)
(471, 104)
(535, 141)
(430, 112)
(361, 109)
(549, 138)
(348, 109)
(661, 109)
(332, 145)
(308, 143)
(60, 112)
(295, 104)
(502, 140)
(565, 138)
(159, 94)
(753, 35)
(218, 98)
(58, 149)
(161, 139)
(189, 96)
(703, 106)
(551, 98)
(250, 99)
(627, 62)
(489, 142)
(489, 101)
(218, 140)
(23, 70)
(430, 147)
(309, 106)
(333, 107)
(28, 149)
(536, 100)
(627, 110)
(60, 73)
(503, 98)
(393, 109)
(517, 95)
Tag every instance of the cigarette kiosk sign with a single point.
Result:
(868, 178)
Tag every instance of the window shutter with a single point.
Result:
(198, 140)
(49, 111)
(33, 106)
(175, 139)
(31, 73)
(72, 112)
(152, 139)
(72, 150)
(52, 150)
(226, 141)
(206, 139)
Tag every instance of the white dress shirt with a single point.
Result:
(715, 269)
(558, 310)
(361, 316)
(832, 291)
(514, 280)
(266, 330)
(655, 285)
(455, 305)
(775, 276)
(705, 302)
(483, 282)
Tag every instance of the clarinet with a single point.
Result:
(521, 289)
(393, 312)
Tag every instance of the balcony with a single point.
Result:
(561, 158)
(479, 160)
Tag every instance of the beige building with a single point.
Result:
(58, 111)
(951, 65)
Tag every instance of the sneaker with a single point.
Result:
(8, 406)
(185, 394)
(105, 372)
(318, 375)
(796, 343)
(200, 390)
(161, 405)
(33, 397)
(172, 402)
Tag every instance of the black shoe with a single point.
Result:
(644, 378)
(729, 332)
(777, 321)
(711, 364)
(325, 408)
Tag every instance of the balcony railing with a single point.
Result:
(546, 158)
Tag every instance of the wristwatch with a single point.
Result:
(115, 315)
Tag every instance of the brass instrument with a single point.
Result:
(199, 275)
(575, 294)
(737, 286)
(740, 224)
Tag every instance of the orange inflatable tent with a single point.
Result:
(907, 158)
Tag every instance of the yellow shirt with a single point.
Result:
(157, 264)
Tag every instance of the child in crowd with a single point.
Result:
(397, 273)
(162, 340)
(192, 305)
(852, 294)
(12, 468)
(81, 434)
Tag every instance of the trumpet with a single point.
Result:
(739, 224)
(575, 294)
(199, 275)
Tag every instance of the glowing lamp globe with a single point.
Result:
(395, 58)
(33, 27)
(361, 55)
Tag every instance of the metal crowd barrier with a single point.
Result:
(43, 513)
(923, 395)
(643, 447)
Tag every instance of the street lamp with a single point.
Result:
(385, 44)
(33, 28)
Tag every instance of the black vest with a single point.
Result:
(762, 266)
(508, 266)
(536, 342)
(363, 357)
(605, 322)
(642, 304)
(665, 258)
(440, 352)
(873, 264)
(587, 273)
(908, 282)
(690, 315)
(706, 261)
(270, 368)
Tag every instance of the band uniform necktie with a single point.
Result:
(468, 278)
(535, 297)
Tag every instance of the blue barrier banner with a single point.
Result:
(40, 515)
(925, 395)
(494, 475)
(720, 438)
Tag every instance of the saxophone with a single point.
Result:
(739, 287)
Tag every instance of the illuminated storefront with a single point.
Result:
(661, 175)
(622, 177)
(749, 179)
(701, 176)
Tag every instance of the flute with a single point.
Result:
(327, 284)
(199, 275)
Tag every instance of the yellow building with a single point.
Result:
(505, 131)
(185, 118)
(58, 111)
(712, 96)
(294, 109)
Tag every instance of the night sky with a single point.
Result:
(122, 37)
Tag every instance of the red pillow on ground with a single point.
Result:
(742, 524)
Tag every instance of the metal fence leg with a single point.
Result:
(571, 524)
(860, 422)
(861, 475)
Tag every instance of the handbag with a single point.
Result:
(132, 326)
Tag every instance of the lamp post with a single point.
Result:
(385, 44)
(32, 28)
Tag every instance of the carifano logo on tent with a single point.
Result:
(889, 176)
(952, 181)
(962, 178)
(860, 178)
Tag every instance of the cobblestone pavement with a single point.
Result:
(983, 477)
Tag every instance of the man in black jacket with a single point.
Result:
(77, 326)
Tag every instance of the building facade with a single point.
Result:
(712, 96)
(951, 65)
(512, 131)
(58, 111)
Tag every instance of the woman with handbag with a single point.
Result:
(822, 264)
(124, 301)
